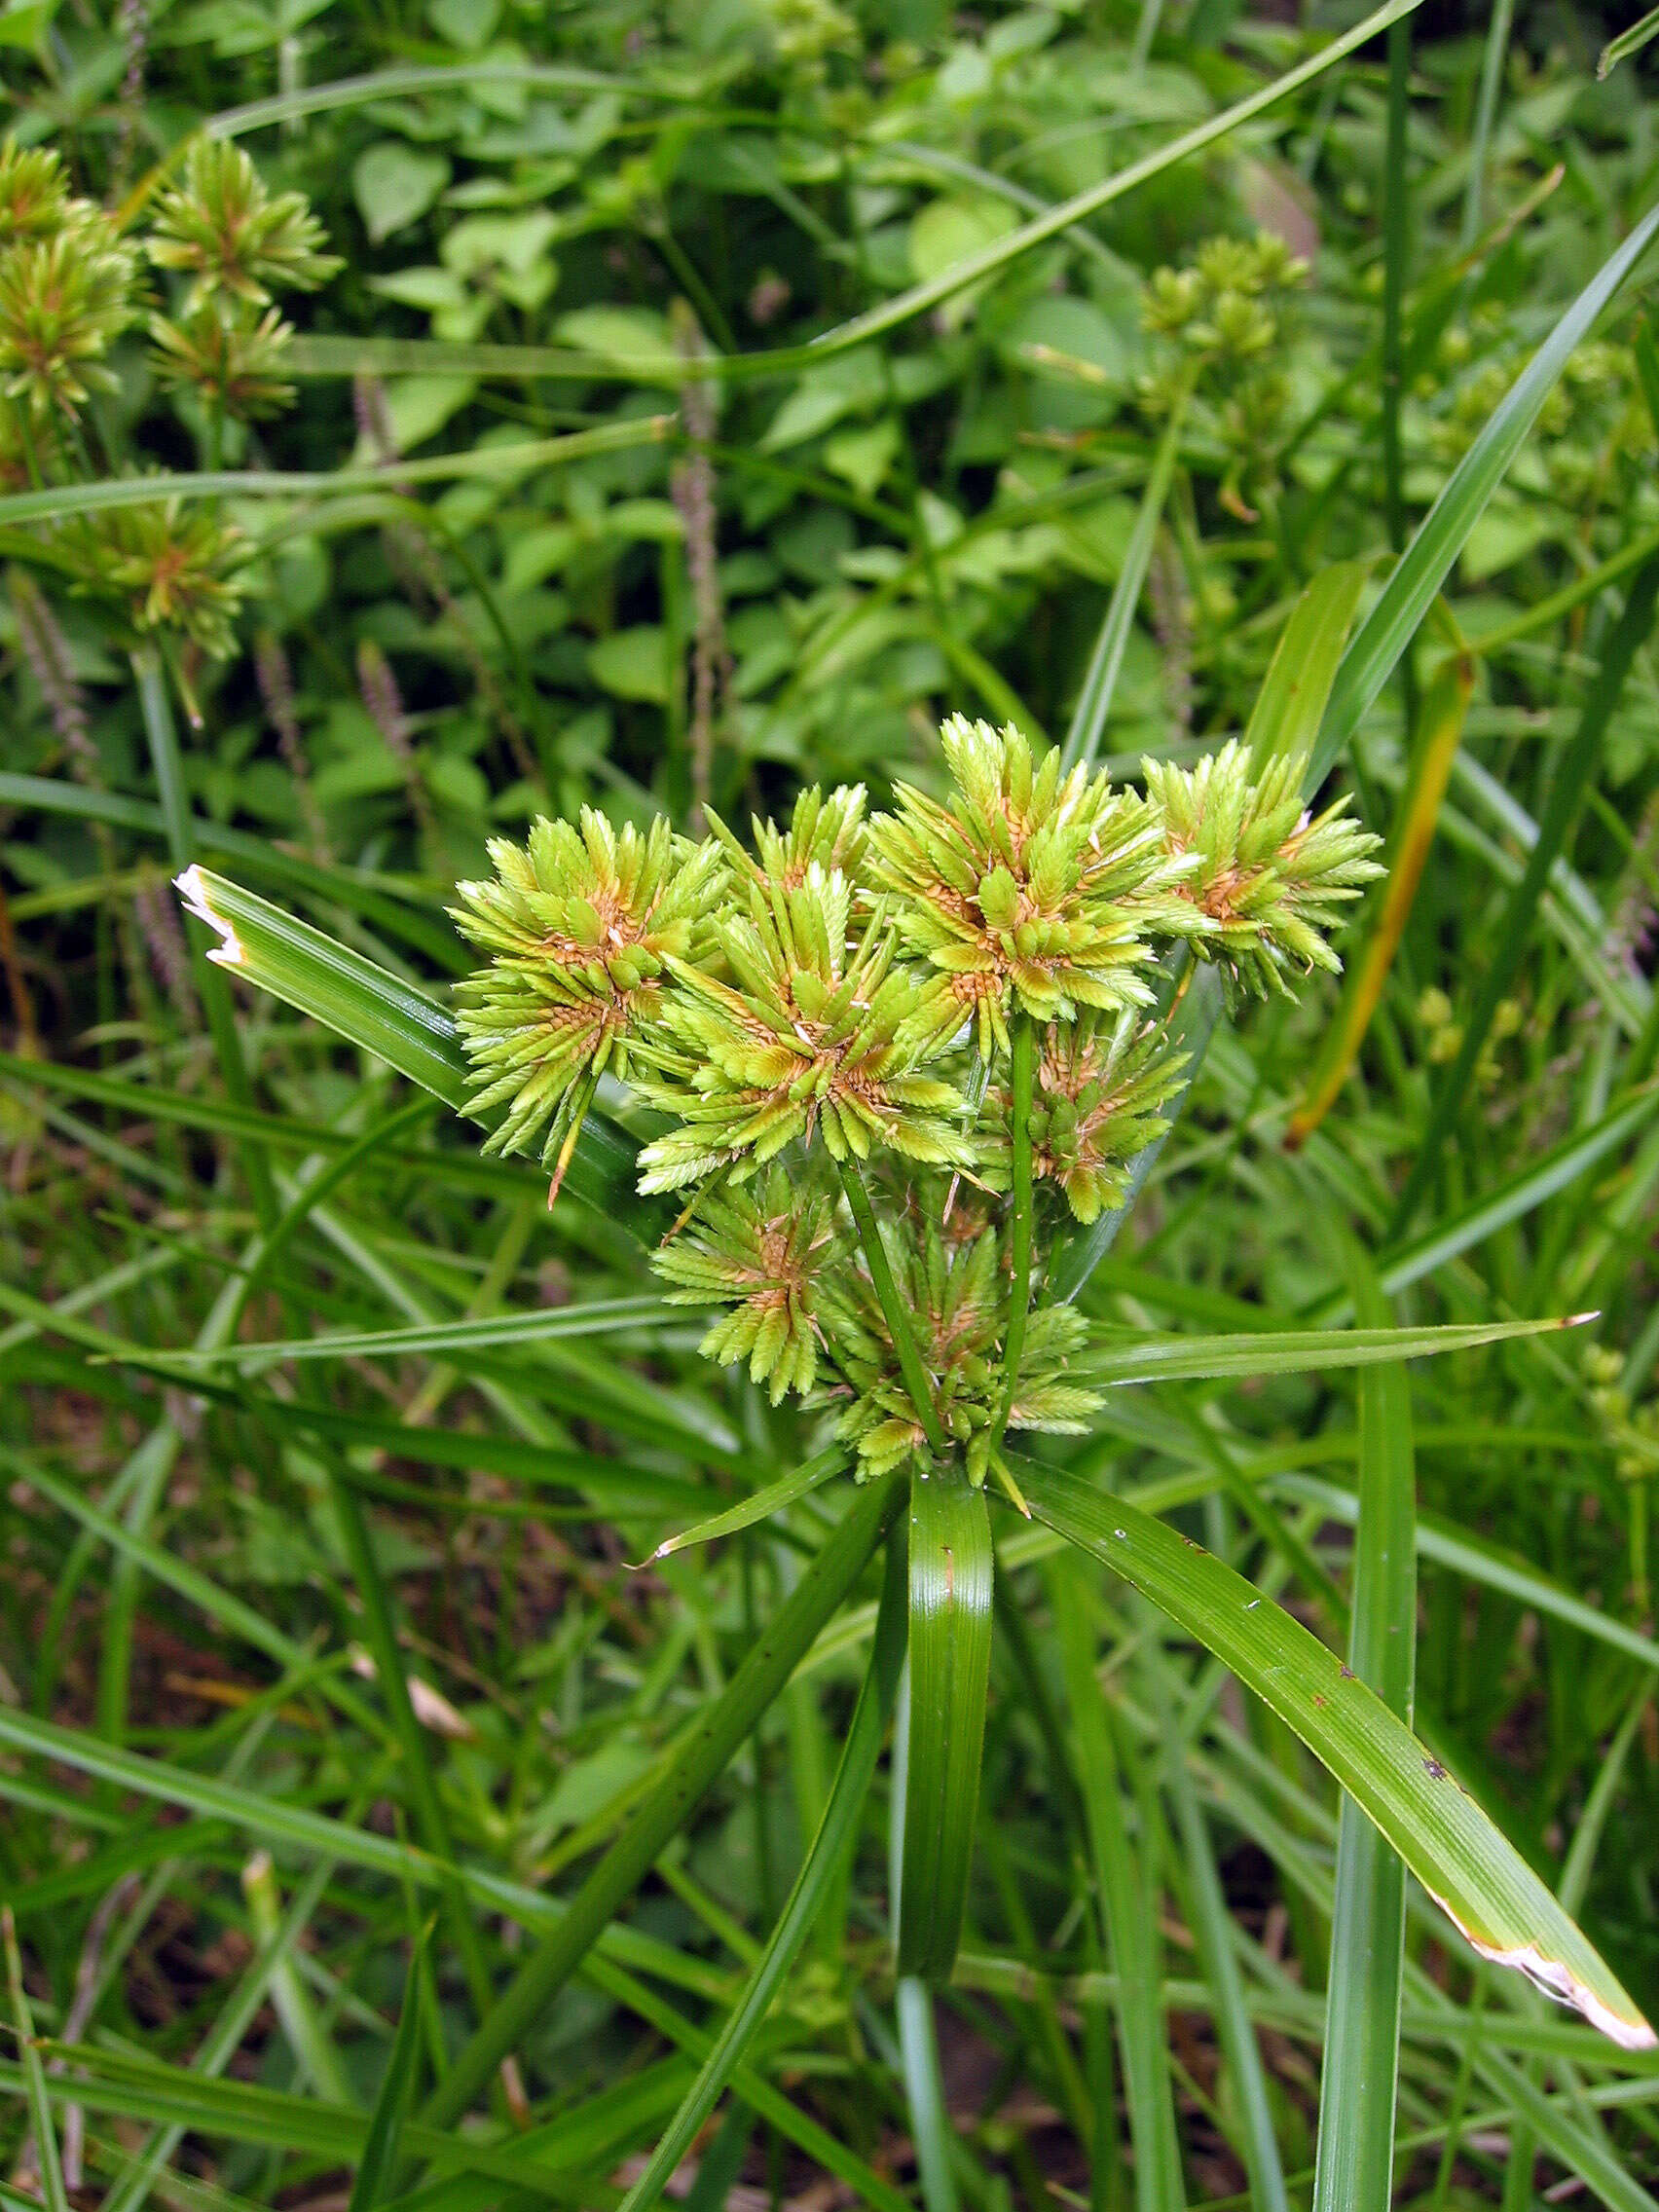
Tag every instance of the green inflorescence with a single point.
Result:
(841, 994)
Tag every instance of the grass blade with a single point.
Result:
(101, 494)
(1427, 561)
(592, 1317)
(1213, 1927)
(1440, 732)
(53, 2194)
(383, 2145)
(1357, 2082)
(924, 2094)
(950, 1576)
(1291, 703)
(1473, 1873)
(379, 1012)
(813, 1884)
(1629, 41)
(1294, 1351)
(1566, 797)
(1094, 700)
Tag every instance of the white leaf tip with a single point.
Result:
(1558, 1981)
(192, 888)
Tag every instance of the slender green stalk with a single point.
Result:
(1023, 1058)
(1124, 1889)
(1357, 2084)
(689, 1774)
(1493, 59)
(1396, 211)
(381, 1635)
(924, 2094)
(905, 1348)
(1094, 701)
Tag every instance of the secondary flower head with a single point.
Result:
(828, 832)
(167, 566)
(759, 1250)
(952, 1288)
(1095, 1101)
(64, 299)
(1027, 888)
(235, 366)
(236, 240)
(34, 192)
(1270, 878)
(820, 1034)
(579, 925)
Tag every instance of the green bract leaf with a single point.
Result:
(949, 1660)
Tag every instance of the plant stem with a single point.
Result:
(898, 1321)
(687, 1775)
(1024, 1056)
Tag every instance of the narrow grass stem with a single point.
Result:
(905, 1348)
(1023, 1057)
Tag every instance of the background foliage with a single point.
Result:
(388, 1593)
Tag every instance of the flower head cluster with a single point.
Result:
(1029, 890)
(234, 238)
(841, 994)
(821, 1030)
(66, 287)
(164, 566)
(1098, 1086)
(238, 243)
(579, 926)
(1271, 878)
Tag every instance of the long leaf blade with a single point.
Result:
(377, 2168)
(1462, 1859)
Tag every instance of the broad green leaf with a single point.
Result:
(345, 356)
(1359, 2076)
(1292, 1352)
(951, 1572)
(393, 183)
(1291, 703)
(812, 1886)
(1467, 1866)
(1427, 559)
